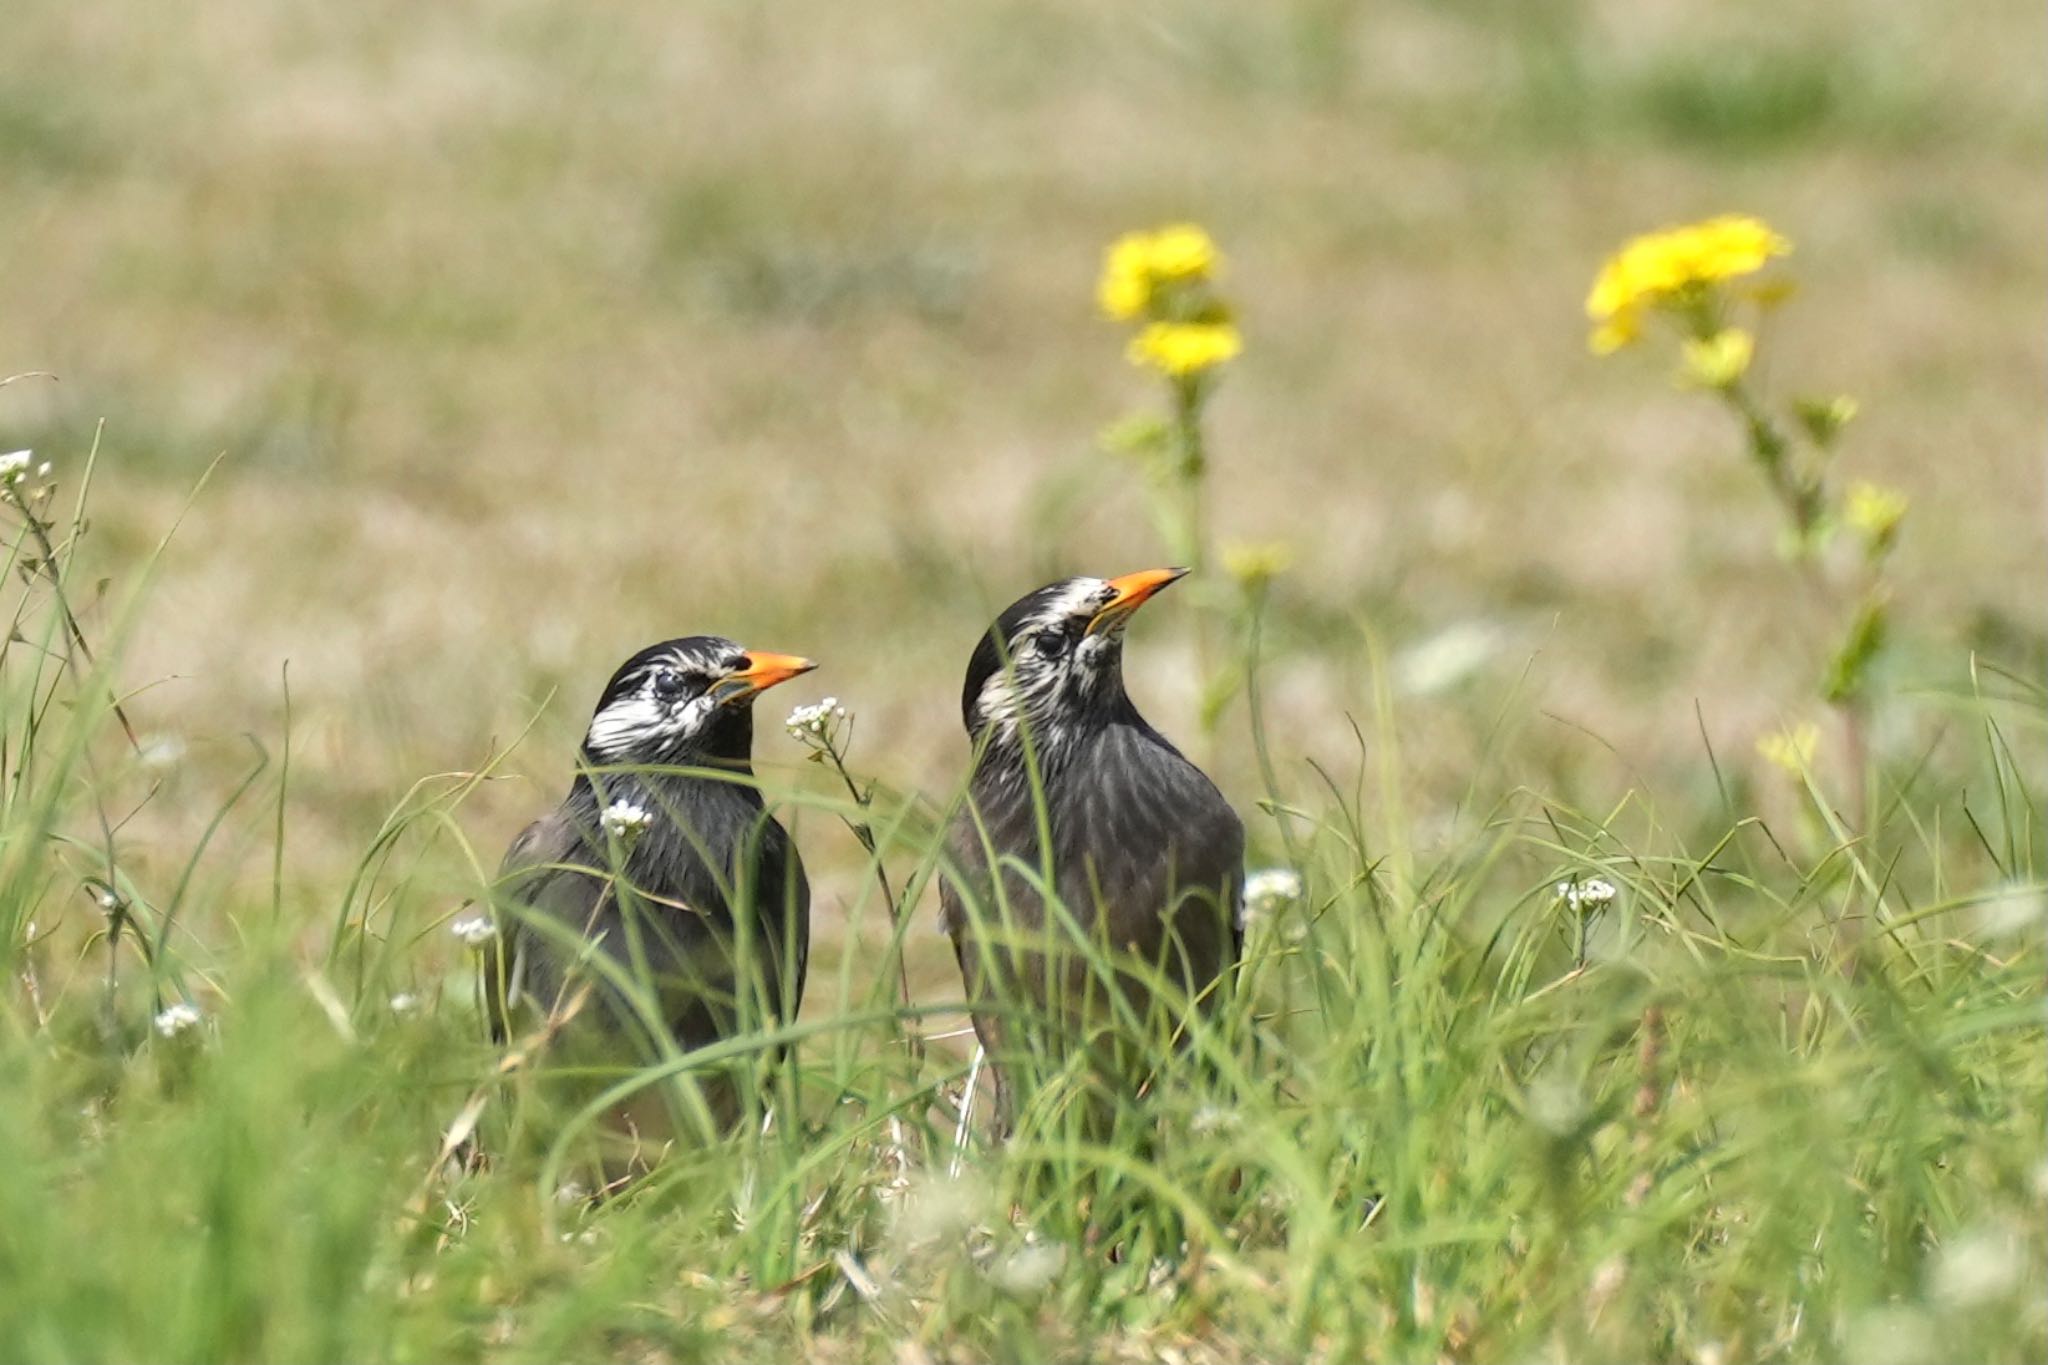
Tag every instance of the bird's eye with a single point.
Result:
(668, 684)
(1051, 644)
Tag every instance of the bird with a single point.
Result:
(1145, 853)
(716, 911)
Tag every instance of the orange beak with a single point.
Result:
(1132, 591)
(762, 672)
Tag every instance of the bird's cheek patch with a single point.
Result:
(624, 723)
(997, 702)
(693, 717)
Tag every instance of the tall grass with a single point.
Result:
(1453, 1113)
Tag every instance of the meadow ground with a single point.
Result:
(527, 336)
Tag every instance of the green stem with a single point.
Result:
(1190, 473)
(1254, 704)
(864, 833)
(1803, 498)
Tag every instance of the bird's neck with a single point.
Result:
(596, 790)
(1053, 749)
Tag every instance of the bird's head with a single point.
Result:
(1054, 658)
(685, 701)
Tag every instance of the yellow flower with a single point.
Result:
(1656, 268)
(1253, 565)
(1793, 749)
(1126, 285)
(1874, 512)
(1616, 332)
(1138, 264)
(1181, 349)
(1718, 361)
(1183, 252)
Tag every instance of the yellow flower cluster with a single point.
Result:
(1874, 512)
(1163, 278)
(1718, 361)
(1660, 269)
(1141, 265)
(1180, 349)
(1791, 750)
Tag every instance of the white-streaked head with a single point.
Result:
(685, 698)
(1054, 654)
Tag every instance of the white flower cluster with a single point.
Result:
(816, 725)
(1271, 890)
(625, 821)
(474, 930)
(14, 467)
(1590, 894)
(179, 1018)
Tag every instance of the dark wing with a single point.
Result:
(1211, 860)
(965, 854)
(1154, 848)
(782, 909)
(535, 876)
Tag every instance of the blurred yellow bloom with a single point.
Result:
(1253, 565)
(1616, 332)
(1181, 349)
(1126, 285)
(1183, 252)
(1793, 749)
(1653, 270)
(1139, 263)
(1874, 512)
(1718, 361)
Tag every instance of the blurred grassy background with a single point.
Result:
(532, 333)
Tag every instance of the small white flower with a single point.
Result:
(1028, 1269)
(160, 752)
(1607, 1278)
(1271, 890)
(939, 1209)
(2014, 912)
(1267, 892)
(1587, 895)
(109, 899)
(816, 725)
(625, 821)
(43, 470)
(1977, 1268)
(1159, 1277)
(1555, 1105)
(474, 930)
(14, 466)
(405, 1002)
(178, 1018)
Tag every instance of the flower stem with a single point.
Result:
(1190, 474)
(48, 568)
(864, 833)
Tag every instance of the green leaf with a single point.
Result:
(1139, 436)
(1865, 641)
(1823, 418)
